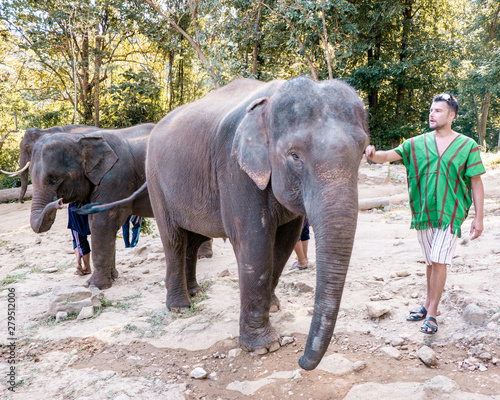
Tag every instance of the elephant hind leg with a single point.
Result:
(175, 256)
(194, 241)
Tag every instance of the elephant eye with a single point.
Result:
(52, 180)
(294, 155)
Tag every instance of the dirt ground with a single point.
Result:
(133, 348)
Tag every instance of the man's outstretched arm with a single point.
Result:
(381, 156)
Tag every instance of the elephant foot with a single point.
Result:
(205, 250)
(178, 305)
(261, 350)
(194, 289)
(261, 344)
(100, 281)
(114, 273)
(275, 304)
(178, 310)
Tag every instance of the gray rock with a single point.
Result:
(152, 257)
(123, 396)
(485, 356)
(85, 313)
(336, 364)
(198, 373)
(376, 310)
(287, 340)
(140, 250)
(474, 314)
(196, 327)
(402, 274)
(495, 317)
(427, 356)
(50, 270)
(441, 384)
(397, 342)
(70, 299)
(302, 287)
(224, 273)
(61, 316)
(381, 296)
(391, 352)
(20, 271)
(358, 366)
(233, 353)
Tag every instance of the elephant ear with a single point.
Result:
(98, 157)
(251, 144)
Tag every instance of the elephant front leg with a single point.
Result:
(255, 277)
(103, 250)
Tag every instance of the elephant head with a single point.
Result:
(65, 168)
(31, 136)
(306, 141)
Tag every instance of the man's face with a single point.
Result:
(440, 115)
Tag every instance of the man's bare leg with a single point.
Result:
(436, 279)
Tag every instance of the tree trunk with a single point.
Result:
(170, 79)
(328, 53)
(86, 97)
(256, 41)
(484, 119)
(97, 76)
(401, 84)
(195, 44)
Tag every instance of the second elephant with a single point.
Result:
(101, 166)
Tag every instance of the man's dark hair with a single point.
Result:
(449, 99)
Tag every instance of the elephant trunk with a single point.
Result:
(333, 218)
(43, 212)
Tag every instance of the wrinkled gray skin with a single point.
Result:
(101, 166)
(31, 136)
(247, 162)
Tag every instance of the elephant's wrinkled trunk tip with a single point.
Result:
(41, 220)
(308, 364)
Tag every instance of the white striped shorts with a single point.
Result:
(437, 245)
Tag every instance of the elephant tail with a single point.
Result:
(94, 208)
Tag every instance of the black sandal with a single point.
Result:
(417, 315)
(429, 328)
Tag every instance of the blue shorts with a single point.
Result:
(80, 242)
(304, 235)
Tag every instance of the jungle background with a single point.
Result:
(117, 63)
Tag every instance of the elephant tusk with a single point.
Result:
(15, 173)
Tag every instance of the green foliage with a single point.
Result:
(131, 100)
(147, 226)
(9, 156)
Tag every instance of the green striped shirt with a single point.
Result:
(439, 187)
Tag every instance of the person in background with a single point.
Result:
(80, 229)
(136, 222)
(301, 248)
(444, 171)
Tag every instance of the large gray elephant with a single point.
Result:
(100, 166)
(247, 162)
(31, 136)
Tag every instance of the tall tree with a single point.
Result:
(76, 42)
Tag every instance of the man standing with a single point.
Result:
(444, 171)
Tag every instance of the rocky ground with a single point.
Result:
(131, 347)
